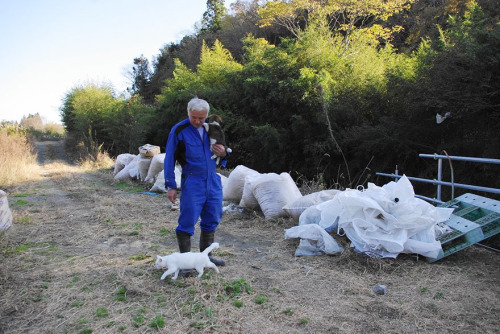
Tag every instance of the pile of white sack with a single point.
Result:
(382, 221)
(144, 169)
(379, 221)
(270, 192)
(147, 166)
(277, 195)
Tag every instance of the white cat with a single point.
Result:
(178, 261)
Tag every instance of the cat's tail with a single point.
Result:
(210, 248)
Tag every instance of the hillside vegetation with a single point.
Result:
(330, 90)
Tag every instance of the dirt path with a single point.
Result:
(79, 258)
(51, 151)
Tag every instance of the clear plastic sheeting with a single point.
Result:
(384, 221)
(314, 240)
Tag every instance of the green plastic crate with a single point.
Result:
(475, 218)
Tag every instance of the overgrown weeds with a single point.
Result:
(19, 169)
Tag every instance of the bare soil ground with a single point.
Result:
(79, 259)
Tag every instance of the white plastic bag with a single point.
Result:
(314, 240)
(311, 215)
(385, 221)
(273, 192)
(296, 208)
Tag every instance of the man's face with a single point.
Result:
(197, 118)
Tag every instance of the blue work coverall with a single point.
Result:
(201, 186)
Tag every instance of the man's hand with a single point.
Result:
(172, 195)
(219, 150)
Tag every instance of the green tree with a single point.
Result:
(342, 15)
(87, 112)
(141, 79)
(130, 125)
(216, 66)
(213, 16)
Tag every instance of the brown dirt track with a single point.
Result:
(79, 259)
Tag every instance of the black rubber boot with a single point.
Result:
(206, 239)
(184, 241)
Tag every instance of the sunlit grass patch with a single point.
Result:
(17, 158)
(130, 188)
(22, 220)
(20, 202)
(237, 287)
(22, 194)
(40, 248)
(101, 312)
(121, 295)
(158, 322)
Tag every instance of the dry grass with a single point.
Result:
(79, 258)
(101, 161)
(17, 159)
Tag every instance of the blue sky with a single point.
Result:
(48, 47)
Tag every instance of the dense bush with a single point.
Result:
(334, 97)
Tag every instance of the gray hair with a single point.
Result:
(198, 105)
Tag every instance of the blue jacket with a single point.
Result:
(184, 145)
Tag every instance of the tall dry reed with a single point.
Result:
(17, 159)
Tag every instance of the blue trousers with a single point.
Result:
(200, 198)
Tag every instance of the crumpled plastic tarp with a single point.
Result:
(384, 221)
(314, 240)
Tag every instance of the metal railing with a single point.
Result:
(439, 182)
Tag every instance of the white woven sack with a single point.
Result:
(159, 185)
(235, 183)
(143, 165)
(223, 180)
(273, 192)
(122, 160)
(248, 199)
(131, 170)
(155, 167)
(5, 213)
(296, 208)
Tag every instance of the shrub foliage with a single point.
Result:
(320, 88)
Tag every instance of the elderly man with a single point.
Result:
(189, 144)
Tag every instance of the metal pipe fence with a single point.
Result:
(439, 182)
